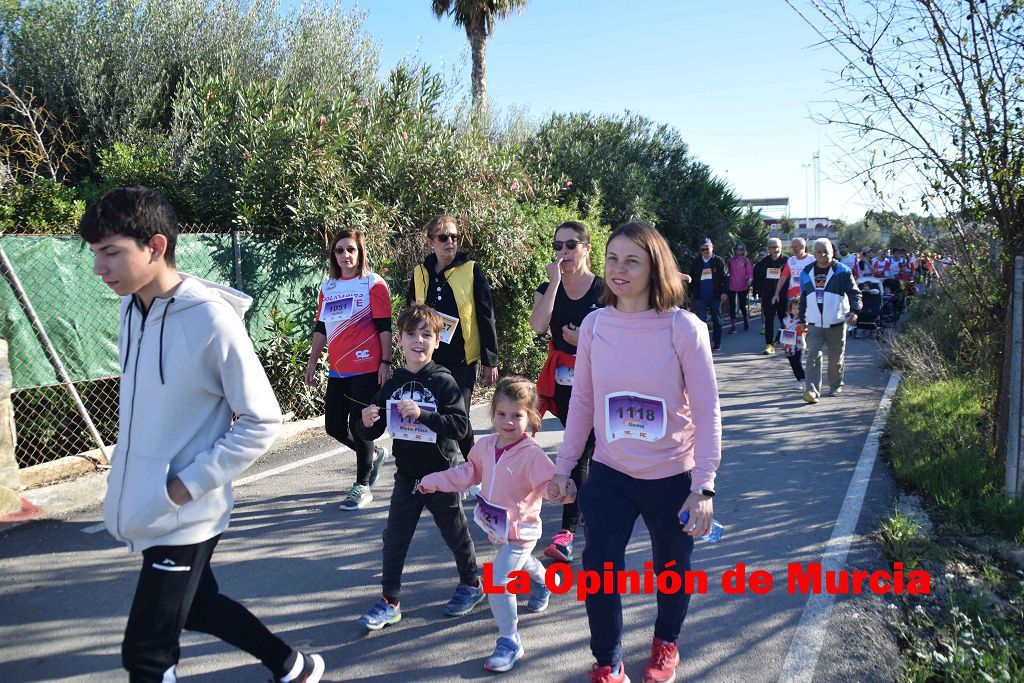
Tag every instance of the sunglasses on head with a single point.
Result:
(444, 238)
(568, 244)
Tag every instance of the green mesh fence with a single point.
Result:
(79, 315)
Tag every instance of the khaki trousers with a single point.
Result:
(835, 339)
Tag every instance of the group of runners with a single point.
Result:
(639, 441)
(425, 408)
(197, 409)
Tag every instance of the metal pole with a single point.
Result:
(238, 257)
(1013, 437)
(51, 355)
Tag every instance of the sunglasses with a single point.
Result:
(345, 250)
(705, 248)
(443, 239)
(568, 244)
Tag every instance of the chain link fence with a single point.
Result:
(61, 323)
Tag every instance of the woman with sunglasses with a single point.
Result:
(455, 286)
(560, 305)
(353, 320)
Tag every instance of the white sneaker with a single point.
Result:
(798, 385)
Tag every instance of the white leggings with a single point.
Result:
(511, 558)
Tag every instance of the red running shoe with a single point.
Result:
(662, 666)
(603, 674)
(560, 547)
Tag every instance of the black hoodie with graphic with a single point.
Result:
(434, 385)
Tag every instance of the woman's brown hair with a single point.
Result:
(520, 391)
(356, 235)
(666, 284)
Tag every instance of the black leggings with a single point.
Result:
(738, 300)
(571, 511)
(343, 410)
(794, 362)
(465, 377)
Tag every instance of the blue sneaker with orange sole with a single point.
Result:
(465, 599)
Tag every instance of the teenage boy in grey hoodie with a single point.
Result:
(187, 366)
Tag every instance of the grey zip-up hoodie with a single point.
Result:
(187, 366)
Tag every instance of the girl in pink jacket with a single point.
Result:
(513, 472)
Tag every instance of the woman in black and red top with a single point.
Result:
(559, 306)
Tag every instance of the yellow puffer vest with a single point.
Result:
(460, 279)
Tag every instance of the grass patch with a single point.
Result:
(938, 443)
(902, 540)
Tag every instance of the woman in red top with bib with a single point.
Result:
(353, 320)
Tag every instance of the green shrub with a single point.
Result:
(636, 170)
(284, 356)
(141, 162)
(41, 206)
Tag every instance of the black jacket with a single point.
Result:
(764, 287)
(450, 355)
(719, 276)
(435, 385)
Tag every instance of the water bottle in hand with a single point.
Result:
(713, 536)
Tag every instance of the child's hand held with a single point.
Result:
(370, 415)
(409, 409)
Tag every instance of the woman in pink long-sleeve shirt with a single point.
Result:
(645, 383)
(741, 275)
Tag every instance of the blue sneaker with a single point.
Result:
(539, 597)
(380, 615)
(464, 600)
(506, 653)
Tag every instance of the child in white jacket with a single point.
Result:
(513, 472)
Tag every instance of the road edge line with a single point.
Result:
(805, 648)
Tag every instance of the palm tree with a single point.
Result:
(477, 17)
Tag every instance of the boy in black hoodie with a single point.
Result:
(424, 411)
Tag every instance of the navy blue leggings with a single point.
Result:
(611, 501)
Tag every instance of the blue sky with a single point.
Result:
(738, 79)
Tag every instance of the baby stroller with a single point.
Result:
(892, 301)
(870, 317)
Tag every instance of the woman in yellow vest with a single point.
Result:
(455, 286)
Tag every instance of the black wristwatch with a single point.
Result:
(707, 493)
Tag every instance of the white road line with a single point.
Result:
(802, 658)
(290, 466)
(256, 477)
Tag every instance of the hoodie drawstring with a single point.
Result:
(163, 320)
(128, 346)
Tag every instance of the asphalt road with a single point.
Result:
(309, 570)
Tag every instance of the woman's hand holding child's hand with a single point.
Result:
(425, 487)
(561, 489)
